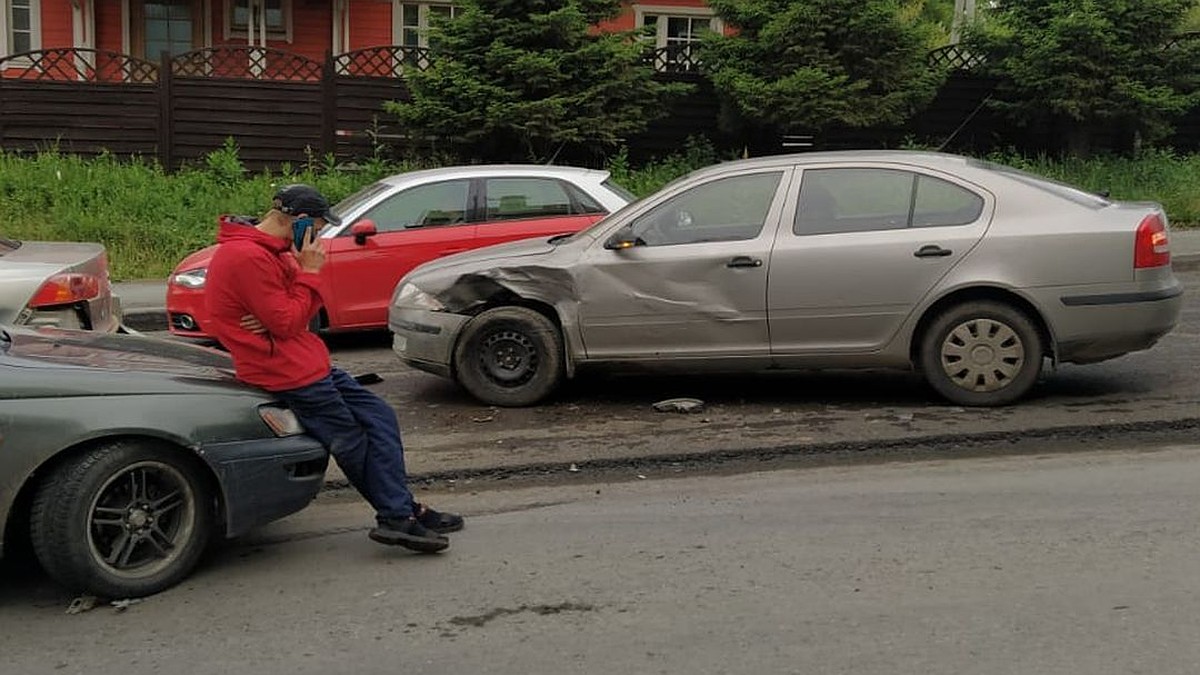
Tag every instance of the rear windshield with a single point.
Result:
(1069, 192)
(7, 245)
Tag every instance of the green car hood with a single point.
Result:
(36, 363)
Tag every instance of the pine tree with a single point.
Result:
(522, 79)
(1078, 68)
(813, 64)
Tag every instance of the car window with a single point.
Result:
(727, 209)
(584, 201)
(853, 200)
(514, 198)
(422, 206)
(941, 203)
(355, 201)
(863, 200)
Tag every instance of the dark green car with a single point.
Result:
(123, 456)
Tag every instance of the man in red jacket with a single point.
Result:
(262, 293)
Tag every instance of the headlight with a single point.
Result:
(191, 278)
(411, 296)
(281, 420)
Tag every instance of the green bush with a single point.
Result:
(150, 219)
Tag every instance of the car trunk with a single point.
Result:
(58, 284)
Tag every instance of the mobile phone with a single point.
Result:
(300, 230)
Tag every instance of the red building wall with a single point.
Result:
(370, 24)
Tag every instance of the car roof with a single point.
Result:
(929, 159)
(494, 170)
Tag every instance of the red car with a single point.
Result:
(395, 224)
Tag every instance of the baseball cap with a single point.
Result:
(299, 198)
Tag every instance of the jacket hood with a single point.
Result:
(244, 228)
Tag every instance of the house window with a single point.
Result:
(277, 14)
(414, 18)
(676, 31)
(20, 24)
(169, 27)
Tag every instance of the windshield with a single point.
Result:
(352, 203)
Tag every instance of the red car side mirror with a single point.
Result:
(363, 229)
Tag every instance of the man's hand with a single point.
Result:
(252, 324)
(311, 256)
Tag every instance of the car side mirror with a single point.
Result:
(622, 239)
(363, 229)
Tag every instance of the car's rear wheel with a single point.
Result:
(509, 356)
(982, 353)
(126, 519)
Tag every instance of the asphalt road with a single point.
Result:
(605, 422)
(1070, 563)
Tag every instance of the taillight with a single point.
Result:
(64, 289)
(1151, 248)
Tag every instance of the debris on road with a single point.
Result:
(122, 605)
(84, 603)
(573, 468)
(680, 405)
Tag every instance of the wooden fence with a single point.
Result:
(281, 107)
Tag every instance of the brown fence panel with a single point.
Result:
(271, 121)
(361, 125)
(84, 118)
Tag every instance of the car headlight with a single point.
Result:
(281, 420)
(411, 296)
(191, 278)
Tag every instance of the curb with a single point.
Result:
(1160, 429)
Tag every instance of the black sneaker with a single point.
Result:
(437, 521)
(409, 533)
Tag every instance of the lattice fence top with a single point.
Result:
(245, 62)
(954, 57)
(678, 59)
(77, 64)
(385, 61)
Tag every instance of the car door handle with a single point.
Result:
(932, 251)
(744, 261)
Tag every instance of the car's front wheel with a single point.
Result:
(126, 519)
(509, 356)
(982, 353)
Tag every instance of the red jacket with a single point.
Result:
(255, 273)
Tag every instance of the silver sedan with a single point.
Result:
(57, 284)
(971, 273)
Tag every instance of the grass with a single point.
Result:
(149, 219)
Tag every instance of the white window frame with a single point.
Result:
(422, 20)
(35, 27)
(666, 11)
(239, 33)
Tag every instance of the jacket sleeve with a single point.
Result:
(284, 310)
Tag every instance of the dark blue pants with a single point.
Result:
(363, 436)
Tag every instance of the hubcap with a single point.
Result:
(508, 358)
(140, 519)
(982, 355)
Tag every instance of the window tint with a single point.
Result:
(853, 200)
(584, 201)
(864, 200)
(512, 198)
(422, 206)
(941, 203)
(728, 209)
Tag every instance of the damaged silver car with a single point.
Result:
(972, 273)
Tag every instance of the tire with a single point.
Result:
(125, 520)
(982, 353)
(509, 356)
